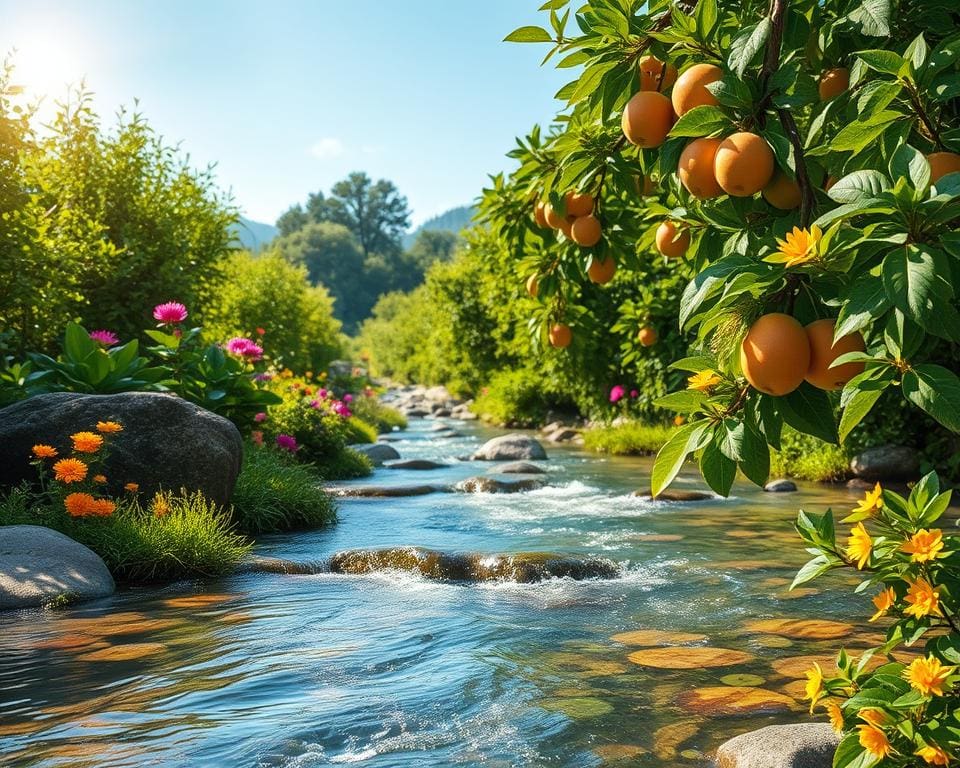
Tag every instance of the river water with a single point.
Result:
(392, 669)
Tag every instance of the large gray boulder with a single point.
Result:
(38, 565)
(377, 452)
(805, 745)
(166, 441)
(886, 462)
(510, 448)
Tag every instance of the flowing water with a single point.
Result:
(395, 669)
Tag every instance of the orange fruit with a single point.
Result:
(695, 168)
(647, 336)
(650, 69)
(647, 119)
(775, 354)
(783, 192)
(744, 164)
(833, 82)
(586, 230)
(566, 226)
(942, 163)
(602, 271)
(579, 204)
(552, 216)
(539, 216)
(560, 335)
(823, 351)
(668, 243)
(691, 88)
(533, 286)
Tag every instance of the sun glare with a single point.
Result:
(46, 63)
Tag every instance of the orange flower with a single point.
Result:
(86, 442)
(924, 545)
(70, 470)
(109, 426)
(103, 507)
(874, 741)
(875, 717)
(923, 599)
(44, 451)
(928, 675)
(160, 506)
(836, 715)
(933, 755)
(79, 504)
(883, 602)
(132, 487)
(100, 479)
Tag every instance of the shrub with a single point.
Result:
(174, 537)
(518, 398)
(806, 458)
(631, 439)
(275, 493)
(382, 417)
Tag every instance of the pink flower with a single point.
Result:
(243, 347)
(260, 417)
(107, 338)
(314, 404)
(170, 313)
(634, 394)
(263, 377)
(617, 393)
(348, 398)
(341, 409)
(287, 443)
(322, 394)
(257, 437)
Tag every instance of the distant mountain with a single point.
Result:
(453, 220)
(253, 235)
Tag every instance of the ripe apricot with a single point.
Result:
(566, 226)
(560, 335)
(823, 351)
(540, 216)
(775, 354)
(647, 119)
(552, 216)
(669, 243)
(695, 168)
(744, 164)
(783, 192)
(579, 204)
(647, 336)
(691, 88)
(942, 163)
(650, 69)
(602, 271)
(586, 230)
(833, 82)
(533, 286)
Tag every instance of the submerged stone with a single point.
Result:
(728, 700)
(802, 629)
(780, 486)
(415, 464)
(676, 495)
(655, 637)
(677, 657)
(520, 468)
(482, 484)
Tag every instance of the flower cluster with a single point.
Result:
(618, 392)
(77, 475)
(902, 712)
(249, 350)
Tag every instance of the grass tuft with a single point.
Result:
(631, 439)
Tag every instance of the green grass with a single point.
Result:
(807, 458)
(356, 430)
(345, 464)
(193, 539)
(382, 417)
(275, 493)
(631, 439)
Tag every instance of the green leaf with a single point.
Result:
(857, 408)
(813, 568)
(808, 410)
(701, 121)
(910, 164)
(755, 461)
(671, 456)
(859, 187)
(745, 46)
(873, 17)
(857, 134)
(914, 282)
(887, 62)
(866, 300)
(935, 390)
(717, 469)
(529, 35)
(684, 401)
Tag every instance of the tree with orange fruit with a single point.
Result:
(708, 131)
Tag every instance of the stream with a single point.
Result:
(392, 668)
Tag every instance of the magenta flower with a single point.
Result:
(314, 404)
(322, 394)
(170, 313)
(287, 443)
(634, 394)
(341, 409)
(617, 393)
(348, 398)
(263, 377)
(107, 338)
(246, 348)
(260, 417)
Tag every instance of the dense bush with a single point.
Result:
(519, 398)
(368, 409)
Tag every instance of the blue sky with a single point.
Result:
(288, 96)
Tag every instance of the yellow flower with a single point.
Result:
(859, 545)
(883, 602)
(70, 470)
(100, 479)
(875, 717)
(86, 442)
(836, 715)
(924, 545)
(923, 599)
(800, 247)
(874, 741)
(933, 755)
(703, 381)
(44, 451)
(160, 506)
(108, 427)
(814, 686)
(871, 501)
(132, 487)
(927, 675)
